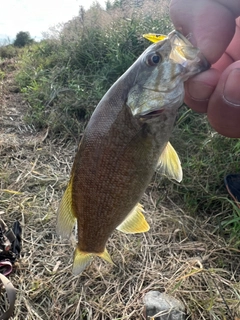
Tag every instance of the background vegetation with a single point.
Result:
(64, 76)
(22, 39)
(62, 79)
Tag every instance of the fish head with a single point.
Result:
(160, 72)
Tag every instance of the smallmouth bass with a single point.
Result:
(125, 141)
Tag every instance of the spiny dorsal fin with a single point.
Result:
(154, 37)
(169, 164)
(65, 215)
(135, 221)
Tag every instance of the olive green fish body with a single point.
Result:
(112, 171)
(124, 142)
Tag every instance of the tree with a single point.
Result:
(108, 5)
(22, 39)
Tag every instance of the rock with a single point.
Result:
(164, 306)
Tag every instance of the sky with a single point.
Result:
(36, 16)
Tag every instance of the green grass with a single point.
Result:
(207, 158)
(63, 79)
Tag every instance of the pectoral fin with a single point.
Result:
(169, 163)
(135, 221)
(153, 37)
(83, 259)
(65, 216)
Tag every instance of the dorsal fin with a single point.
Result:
(65, 215)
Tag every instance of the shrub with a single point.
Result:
(8, 52)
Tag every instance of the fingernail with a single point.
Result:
(199, 91)
(230, 93)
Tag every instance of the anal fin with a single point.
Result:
(169, 163)
(135, 222)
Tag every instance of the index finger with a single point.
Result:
(211, 25)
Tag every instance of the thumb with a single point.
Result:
(224, 105)
(209, 25)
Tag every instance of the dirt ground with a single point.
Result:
(180, 255)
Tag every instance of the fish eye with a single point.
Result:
(153, 59)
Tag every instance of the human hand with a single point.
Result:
(212, 28)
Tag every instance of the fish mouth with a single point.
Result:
(203, 63)
(188, 56)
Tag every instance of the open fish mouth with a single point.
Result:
(184, 53)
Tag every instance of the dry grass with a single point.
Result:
(148, 8)
(180, 255)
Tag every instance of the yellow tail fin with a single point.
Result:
(83, 259)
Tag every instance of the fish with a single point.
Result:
(125, 141)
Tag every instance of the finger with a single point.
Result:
(233, 49)
(224, 105)
(199, 89)
(223, 62)
(210, 24)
